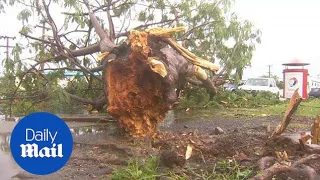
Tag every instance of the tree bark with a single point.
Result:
(315, 131)
(292, 107)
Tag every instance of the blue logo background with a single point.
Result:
(38, 122)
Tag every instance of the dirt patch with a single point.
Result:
(97, 154)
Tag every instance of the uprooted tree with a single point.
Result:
(141, 68)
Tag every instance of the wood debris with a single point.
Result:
(292, 107)
(189, 151)
(304, 139)
(315, 131)
(282, 155)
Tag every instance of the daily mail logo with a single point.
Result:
(32, 150)
(41, 143)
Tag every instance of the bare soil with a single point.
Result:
(98, 151)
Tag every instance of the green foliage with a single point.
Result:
(26, 29)
(81, 87)
(231, 170)
(24, 15)
(240, 98)
(135, 170)
(210, 26)
(59, 100)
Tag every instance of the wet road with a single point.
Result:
(8, 167)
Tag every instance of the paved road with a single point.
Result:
(8, 167)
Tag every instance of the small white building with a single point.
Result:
(313, 82)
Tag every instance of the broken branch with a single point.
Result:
(315, 131)
(292, 107)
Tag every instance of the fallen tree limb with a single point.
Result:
(266, 162)
(292, 107)
(307, 159)
(299, 168)
(270, 172)
(96, 104)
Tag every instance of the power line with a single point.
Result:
(7, 47)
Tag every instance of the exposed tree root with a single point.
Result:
(300, 168)
(144, 80)
(266, 162)
(135, 97)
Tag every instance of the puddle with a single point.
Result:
(8, 166)
(91, 130)
(82, 131)
(182, 116)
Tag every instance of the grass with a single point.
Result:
(244, 104)
(307, 108)
(148, 170)
(136, 170)
(222, 170)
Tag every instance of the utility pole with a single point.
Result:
(7, 46)
(269, 72)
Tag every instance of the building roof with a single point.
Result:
(296, 62)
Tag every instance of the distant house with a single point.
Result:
(69, 75)
(313, 82)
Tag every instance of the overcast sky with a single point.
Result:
(290, 29)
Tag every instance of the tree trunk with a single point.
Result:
(140, 93)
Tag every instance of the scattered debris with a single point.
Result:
(218, 130)
(282, 155)
(240, 156)
(189, 151)
(305, 138)
(223, 102)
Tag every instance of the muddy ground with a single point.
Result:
(100, 150)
